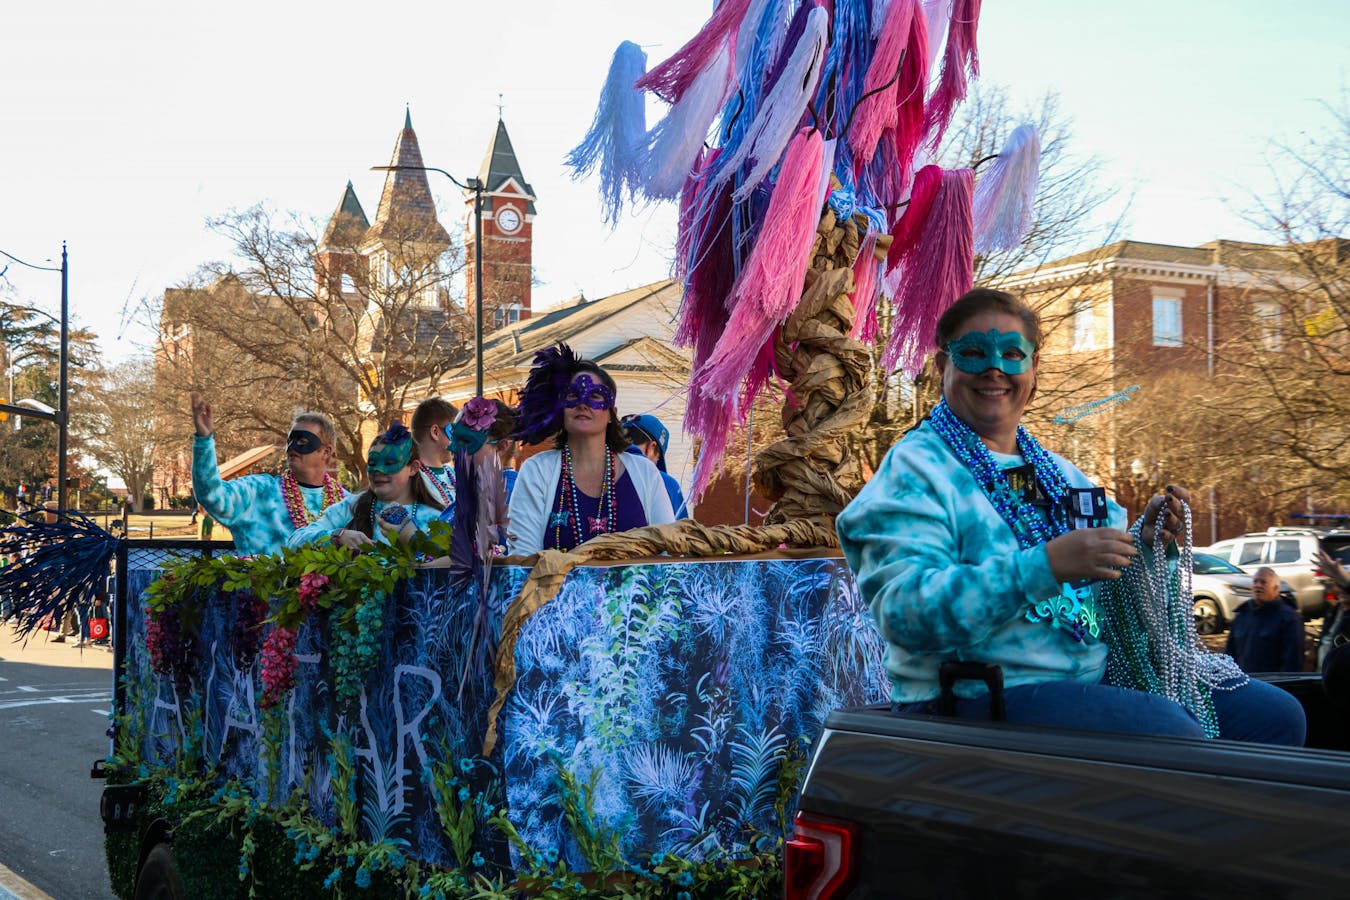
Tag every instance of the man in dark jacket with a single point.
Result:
(1267, 633)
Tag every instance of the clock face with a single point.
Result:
(508, 220)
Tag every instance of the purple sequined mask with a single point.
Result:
(588, 392)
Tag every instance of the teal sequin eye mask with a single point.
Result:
(389, 458)
(979, 351)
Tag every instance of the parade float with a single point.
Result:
(631, 718)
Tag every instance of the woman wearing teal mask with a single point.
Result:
(974, 543)
(397, 505)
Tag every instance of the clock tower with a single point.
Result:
(508, 235)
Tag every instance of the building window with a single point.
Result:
(348, 285)
(1166, 321)
(1084, 326)
(1268, 325)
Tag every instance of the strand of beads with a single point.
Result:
(1151, 630)
(1026, 522)
(294, 498)
(445, 487)
(571, 512)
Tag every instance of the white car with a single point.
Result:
(1218, 588)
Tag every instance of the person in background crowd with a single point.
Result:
(435, 462)
(261, 511)
(208, 525)
(6, 605)
(1336, 620)
(1267, 633)
(587, 485)
(651, 438)
(397, 504)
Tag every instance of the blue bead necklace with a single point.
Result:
(1027, 523)
(1074, 610)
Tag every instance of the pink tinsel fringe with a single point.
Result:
(672, 78)
(961, 54)
(877, 112)
(938, 269)
(770, 283)
(866, 288)
(907, 228)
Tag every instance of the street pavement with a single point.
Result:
(54, 702)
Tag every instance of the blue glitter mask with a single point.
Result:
(586, 391)
(979, 351)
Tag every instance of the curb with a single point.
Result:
(12, 887)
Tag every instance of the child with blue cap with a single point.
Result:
(650, 439)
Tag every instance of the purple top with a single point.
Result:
(627, 509)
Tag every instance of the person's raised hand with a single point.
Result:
(201, 415)
(1164, 510)
(1334, 570)
(1100, 554)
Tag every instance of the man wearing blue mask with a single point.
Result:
(261, 511)
(650, 438)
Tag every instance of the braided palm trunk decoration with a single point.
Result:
(811, 473)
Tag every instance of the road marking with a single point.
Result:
(101, 696)
(26, 688)
(2, 678)
(99, 712)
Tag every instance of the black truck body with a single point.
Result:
(929, 806)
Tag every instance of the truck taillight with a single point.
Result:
(818, 862)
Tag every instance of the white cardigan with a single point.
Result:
(537, 483)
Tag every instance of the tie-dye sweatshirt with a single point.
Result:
(339, 515)
(946, 579)
(251, 507)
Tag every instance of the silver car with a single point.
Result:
(1218, 588)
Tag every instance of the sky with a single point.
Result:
(125, 127)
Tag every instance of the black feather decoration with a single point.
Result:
(54, 567)
(539, 413)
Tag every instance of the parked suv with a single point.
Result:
(1292, 553)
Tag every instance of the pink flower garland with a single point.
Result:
(278, 665)
(311, 587)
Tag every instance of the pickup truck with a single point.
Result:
(926, 806)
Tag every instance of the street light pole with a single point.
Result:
(62, 414)
(63, 431)
(475, 185)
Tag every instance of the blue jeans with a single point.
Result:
(1254, 712)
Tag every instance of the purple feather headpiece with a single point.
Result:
(539, 413)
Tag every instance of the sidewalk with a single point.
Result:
(39, 650)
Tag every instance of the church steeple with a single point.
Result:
(406, 211)
(348, 223)
(500, 167)
(339, 270)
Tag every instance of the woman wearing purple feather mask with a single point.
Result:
(587, 485)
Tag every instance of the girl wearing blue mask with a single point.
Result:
(974, 543)
(586, 485)
(397, 504)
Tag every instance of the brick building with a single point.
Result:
(1132, 312)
